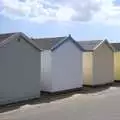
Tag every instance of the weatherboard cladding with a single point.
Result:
(116, 46)
(53, 43)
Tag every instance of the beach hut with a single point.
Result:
(61, 64)
(97, 62)
(19, 68)
(116, 61)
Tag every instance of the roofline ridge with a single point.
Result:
(88, 40)
(9, 33)
(47, 37)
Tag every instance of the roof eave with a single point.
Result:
(64, 40)
(58, 44)
(109, 45)
(98, 45)
(31, 42)
(16, 36)
(7, 40)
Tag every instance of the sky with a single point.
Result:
(83, 19)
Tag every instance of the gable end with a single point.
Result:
(107, 43)
(65, 40)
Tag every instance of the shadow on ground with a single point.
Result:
(47, 97)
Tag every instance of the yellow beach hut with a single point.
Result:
(97, 62)
(116, 61)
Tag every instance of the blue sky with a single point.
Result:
(83, 19)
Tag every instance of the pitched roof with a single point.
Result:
(116, 46)
(89, 45)
(54, 42)
(48, 43)
(7, 37)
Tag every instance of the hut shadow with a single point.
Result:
(50, 97)
(116, 84)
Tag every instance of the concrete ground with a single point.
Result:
(100, 103)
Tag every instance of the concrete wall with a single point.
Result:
(103, 65)
(117, 66)
(46, 80)
(19, 72)
(88, 68)
(67, 63)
